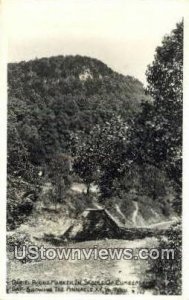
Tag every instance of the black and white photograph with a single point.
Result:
(94, 147)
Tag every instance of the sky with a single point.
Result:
(122, 33)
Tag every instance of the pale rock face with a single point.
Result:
(82, 188)
(85, 75)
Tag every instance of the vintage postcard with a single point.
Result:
(94, 176)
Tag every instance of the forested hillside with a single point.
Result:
(50, 101)
(50, 98)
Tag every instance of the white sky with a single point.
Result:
(121, 33)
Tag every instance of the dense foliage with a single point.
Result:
(150, 142)
(51, 100)
(103, 158)
(168, 272)
(56, 96)
(157, 132)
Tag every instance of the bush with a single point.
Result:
(167, 273)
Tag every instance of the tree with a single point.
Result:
(156, 132)
(165, 85)
(58, 171)
(100, 156)
(23, 182)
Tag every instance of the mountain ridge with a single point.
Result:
(52, 91)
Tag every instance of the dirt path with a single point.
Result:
(119, 211)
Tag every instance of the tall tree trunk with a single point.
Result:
(88, 188)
